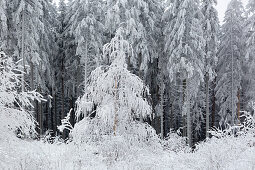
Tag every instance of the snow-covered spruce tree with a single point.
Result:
(49, 49)
(15, 117)
(229, 71)
(78, 25)
(162, 75)
(171, 103)
(26, 20)
(248, 90)
(87, 27)
(118, 97)
(211, 26)
(184, 46)
(31, 37)
(60, 64)
(141, 21)
(3, 24)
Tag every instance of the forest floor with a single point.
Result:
(228, 153)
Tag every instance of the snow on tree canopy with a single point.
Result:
(14, 105)
(231, 56)
(184, 42)
(3, 23)
(117, 94)
(141, 21)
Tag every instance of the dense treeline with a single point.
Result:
(199, 74)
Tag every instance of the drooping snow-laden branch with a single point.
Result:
(15, 105)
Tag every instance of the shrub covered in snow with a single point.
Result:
(174, 142)
(247, 127)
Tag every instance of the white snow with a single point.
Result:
(226, 153)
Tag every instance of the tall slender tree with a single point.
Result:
(49, 49)
(184, 46)
(87, 27)
(248, 90)
(211, 31)
(3, 24)
(29, 39)
(231, 55)
(60, 62)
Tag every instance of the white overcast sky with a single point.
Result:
(221, 7)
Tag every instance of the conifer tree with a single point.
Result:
(15, 105)
(248, 90)
(49, 48)
(86, 25)
(118, 95)
(211, 30)
(229, 71)
(184, 46)
(88, 30)
(3, 24)
(31, 36)
(60, 64)
(141, 20)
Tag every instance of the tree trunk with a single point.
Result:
(52, 114)
(63, 94)
(55, 112)
(183, 96)
(49, 110)
(32, 76)
(140, 74)
(72, 117)
(32, 87)
(22, 50)
(41, 117)
(39, 114)
(116, 107)
(238, 106)
(86, 74)
(162, 106)
(213, 104)
(207, 104)
(232, 80)
(172, 116)
(189, 131)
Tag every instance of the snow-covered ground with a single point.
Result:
(228, 153)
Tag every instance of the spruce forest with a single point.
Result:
(127, 84)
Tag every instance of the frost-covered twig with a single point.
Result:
(65, 123)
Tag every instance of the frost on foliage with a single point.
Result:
(3, 23)
(249, 28)
(119, 99)
(248, 83)
(184, 42)
(246, 128)
(39, 38)
(211, 27)
(87, 28)
(15, 105)
(141, 21)
(65, 123)
(232, 45)
(174, 142)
